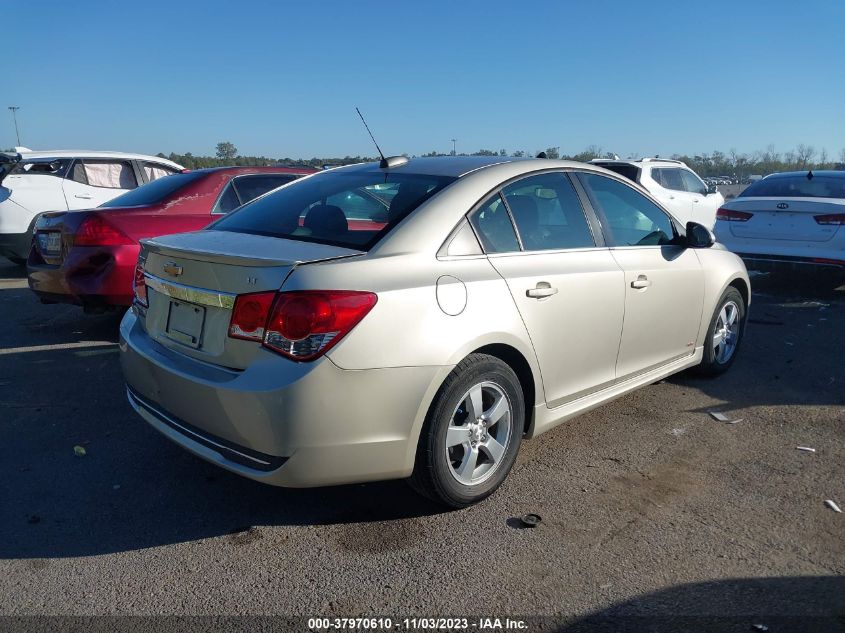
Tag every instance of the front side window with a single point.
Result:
(693, 183)
(104, 173)
(668, 178)
(493, 225)
(56, 167)
(319, 208)
(548, 213)
(628, 217)
(154, 171)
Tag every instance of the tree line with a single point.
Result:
(716, 163)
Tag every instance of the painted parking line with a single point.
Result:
(56, 347)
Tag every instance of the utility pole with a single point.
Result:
(14, 110)
(454, 147)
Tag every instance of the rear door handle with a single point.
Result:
(543, 289)
(84, 196)
(641, 282)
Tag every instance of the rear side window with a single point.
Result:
(104, 173)
(628, 217)
(493, 225)
(797, 186)
(250, 187)
(321, 209)
(155, 191)
(548, 213)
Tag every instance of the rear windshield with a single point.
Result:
(345, 209)
(155, 191)
(798, 186)
(629, 171)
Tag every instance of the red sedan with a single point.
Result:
(88, 257)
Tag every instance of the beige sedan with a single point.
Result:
(420, 318)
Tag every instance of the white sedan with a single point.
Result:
(788, 221)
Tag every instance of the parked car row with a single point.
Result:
(88, 257)
(416, 318)
(34, 182)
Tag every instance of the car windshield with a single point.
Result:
(351, 209)
(797, 186)
(155, 191)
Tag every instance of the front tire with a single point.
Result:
(472, 433)
(724, 334)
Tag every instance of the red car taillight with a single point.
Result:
(95, 230)
(728, 215)
(834, 219)
(139, 284)
(301, 325)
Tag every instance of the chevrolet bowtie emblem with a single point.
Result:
(172, 268)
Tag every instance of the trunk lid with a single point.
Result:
(53, 234)
(791, 219)
(193, 280)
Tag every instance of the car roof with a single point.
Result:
(639, 162)
(270, 169)
(828, 173)
(458, 166)
(85, 153)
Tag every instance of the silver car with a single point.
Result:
(419, 318)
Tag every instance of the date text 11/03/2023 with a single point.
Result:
(418, 624)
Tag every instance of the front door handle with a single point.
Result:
(543, 289)
(84, 196)
(641, 282)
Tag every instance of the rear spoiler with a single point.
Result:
(8, 161)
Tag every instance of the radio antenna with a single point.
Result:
(383, 159)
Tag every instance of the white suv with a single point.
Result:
(673, 184)
(34, 182)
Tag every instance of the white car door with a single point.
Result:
(568, 290)
(90, 183)
(664, 281)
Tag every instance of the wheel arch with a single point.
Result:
(514, 359)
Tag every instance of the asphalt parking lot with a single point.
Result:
(649, 506)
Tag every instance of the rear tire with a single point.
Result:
(724, 334)
(472, 433)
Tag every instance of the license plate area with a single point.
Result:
(49, 243)
(185, 322)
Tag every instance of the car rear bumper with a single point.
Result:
(784, 263)
(280, 422)
(87, 276)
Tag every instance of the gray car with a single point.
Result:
(316, 337)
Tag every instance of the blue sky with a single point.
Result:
(283, 78)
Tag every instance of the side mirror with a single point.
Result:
(712, 189)
(699, 236)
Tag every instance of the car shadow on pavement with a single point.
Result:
(792, 353)
(132, 488)
(793, 603)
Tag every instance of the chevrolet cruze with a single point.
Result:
(419, 318)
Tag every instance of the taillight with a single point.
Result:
(834, 219)
(250, 314)
(95, 230)
(139, 283)
(729, 215)
(301, 325)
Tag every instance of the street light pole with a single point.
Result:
(14, 110)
